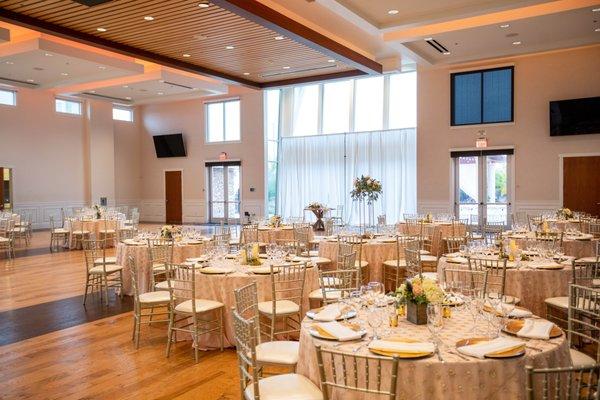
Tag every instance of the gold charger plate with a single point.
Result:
(515, 325)
(400, 354)
(516, 352)
(347, 313)
(316, 331)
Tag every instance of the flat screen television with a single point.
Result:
(169, 145)
(575, 117)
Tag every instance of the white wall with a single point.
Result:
(538, 79)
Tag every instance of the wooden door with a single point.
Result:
(581, 184)
(173, 197)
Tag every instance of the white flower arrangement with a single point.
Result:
(564, 213)
(315, 205)
(169, 231)
(275, 221)
(367, 188)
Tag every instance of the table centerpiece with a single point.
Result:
(366, 191)
(416, 293)
(319, 211)
(249, 255)
(275, 221)
(169, 231)
(564, 213)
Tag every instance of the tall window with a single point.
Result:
(306, 110)
(337, 98)
(8, 97)
(123, 114)
(368, 104)
(482, 97)
(272, 138)
(68, 106)
(223, 121)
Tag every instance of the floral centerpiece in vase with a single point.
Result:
(564, 213)
(97, 211)
(366, 190)
(250, 255)
(416, 293)
(275, 221)
(169, 231)
(319, 210)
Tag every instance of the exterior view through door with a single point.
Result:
(224, 191)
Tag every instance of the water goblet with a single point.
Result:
(374, 321)
(435, 320)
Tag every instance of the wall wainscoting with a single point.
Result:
(193, 211)
(531, 207)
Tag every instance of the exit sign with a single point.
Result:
(481, 143)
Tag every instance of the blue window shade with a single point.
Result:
(467, 99)
(482, 97)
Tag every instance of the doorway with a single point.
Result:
(6, 189)
(224, 192)
(483, 185)
(580, 190)
(173, 197)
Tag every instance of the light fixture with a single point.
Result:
(230, 47)
(125, 86)
(446, 53)
(279, 38)
(9, 62)
(127, 98)
(516, 43)
(48, 54)
(393, 12)
(30, 80)
(101, 29)
(161, 81)
(504, 26)
(149, 18)
(92, 91)
(246, 73)
(427, 39)
(286, 67)
(597, 30)
(204, 4)
(186, 55)
(160, 93)
(101, 67)
(64, 74)
(596, 9)
(331, 61)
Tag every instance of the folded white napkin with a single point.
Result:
(197, 259)
(339, 331)
(402, 347)
(520, 313)
(457, 260)
(480, 350)
(536, 329)
(328, 313)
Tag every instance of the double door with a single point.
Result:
(224, 193)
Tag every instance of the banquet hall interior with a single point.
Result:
(299, 199)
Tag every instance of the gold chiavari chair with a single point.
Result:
(283, 314)
(206, 315)
(148, 301)
(79, 232)
(302, 239)
(249, 234)
(492, 231)
(595, 229)
(357, 373)
(394, 271)
(430, 236)
(252, 386)
(583, 272)
(20, 229)
(356, 243)
(222, 239)
(583, 331)
(280, 352)
(7, 238)
(496, 277)
(412, 257)
(533, 221)
(457, 238)
(160, 253)
(564, 383)
(413, 226)
(345, 262)
(467, 279)
(337, 284)
(329, 222)
(108, 231)
(100, 275)
(58, 236)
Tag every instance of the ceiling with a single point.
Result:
(4, 35)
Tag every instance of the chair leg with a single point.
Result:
(138, 329)
(221, 327)
(134, 323)
(170, 332)
(105, 284)
(87, 284)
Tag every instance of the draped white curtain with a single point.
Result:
(321, 168)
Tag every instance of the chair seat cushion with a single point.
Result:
(559, 302)
(110, 268)
(587, 259)
(164, 285)
(281, 307)
(106, 260)
(159, 266)
(428, 258)
(107, 231)
(81, 232)
(361, 263)
(424, 252)
(285, 387)
(317, 294)
(3, 239)
(202, 305)
(580, 359)
(394, 263)
(159, 297)
(20, 229)
(60, 231)
(278, 352)
(313, 253)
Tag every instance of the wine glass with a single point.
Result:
(374, 320)
(435, 320)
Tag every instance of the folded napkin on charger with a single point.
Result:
(498, 345)
(457, 260)
(328, 313)
(402, 347)
(520, 313)
(339, 331)
(536, 329)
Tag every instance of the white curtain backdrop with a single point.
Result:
(322, 168)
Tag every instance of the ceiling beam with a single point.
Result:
(314, 78)
(88, 39)
(263, 15)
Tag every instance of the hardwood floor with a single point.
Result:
(96, 360)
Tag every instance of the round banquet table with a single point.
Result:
(575, 246)
(220, 287)
(569, 224)
(532, 286)
(267, 234)
(181, 251)
(456, 378)
(93, 225)
(374, 251)
(440, 231)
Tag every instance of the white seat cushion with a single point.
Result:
(20, 229)
(559, 302)
(158, 266)
(285, 387)
(587, 259)
(110, 268)
(361, 263)
(281, 307)
(60, 231)
(106, 260)
(164, 285)
(106, 231)
(81, 232)
(278, 352)
(313, 253)
(424, 252)
(317, 294)
(3, 239)
(202, 305)
(580, 359)
(427, 258)
(394, 263)
(159, 297)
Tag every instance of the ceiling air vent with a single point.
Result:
(15, 82)
(437, 45)
(103, 97)
(178, 85)
(91, 3)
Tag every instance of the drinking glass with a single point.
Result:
(435, 320)
(374, 321)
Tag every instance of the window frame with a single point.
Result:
(481, 72)
(130, 110)
(71, 101)
(206, 122)
(14, 93)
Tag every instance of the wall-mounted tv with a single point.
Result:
(169, 145)
(575, 117)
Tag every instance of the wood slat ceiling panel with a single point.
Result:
(179, 27)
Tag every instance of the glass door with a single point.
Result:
(482, 188)
(224, 193)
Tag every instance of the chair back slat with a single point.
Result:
(496, 275)
(564, 383)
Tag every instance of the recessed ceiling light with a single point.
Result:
(204, 4)
(230, 47)
(125, 86)
(504, 26)
(30, 80)
(9, 62)
(161, 81)
(149, 18)
(127, 98)
(393, 12)
(160, 93)
(92, 91)
(596, 9)
(516, 43)
(48, 54)
(331, 61)
(101, 29)
(279, 37)
(286, 67)
(446, 53)
(64, 74)
(428, 38)
(186, 55)
(597, 30)
(101, 67)
(246, 73)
